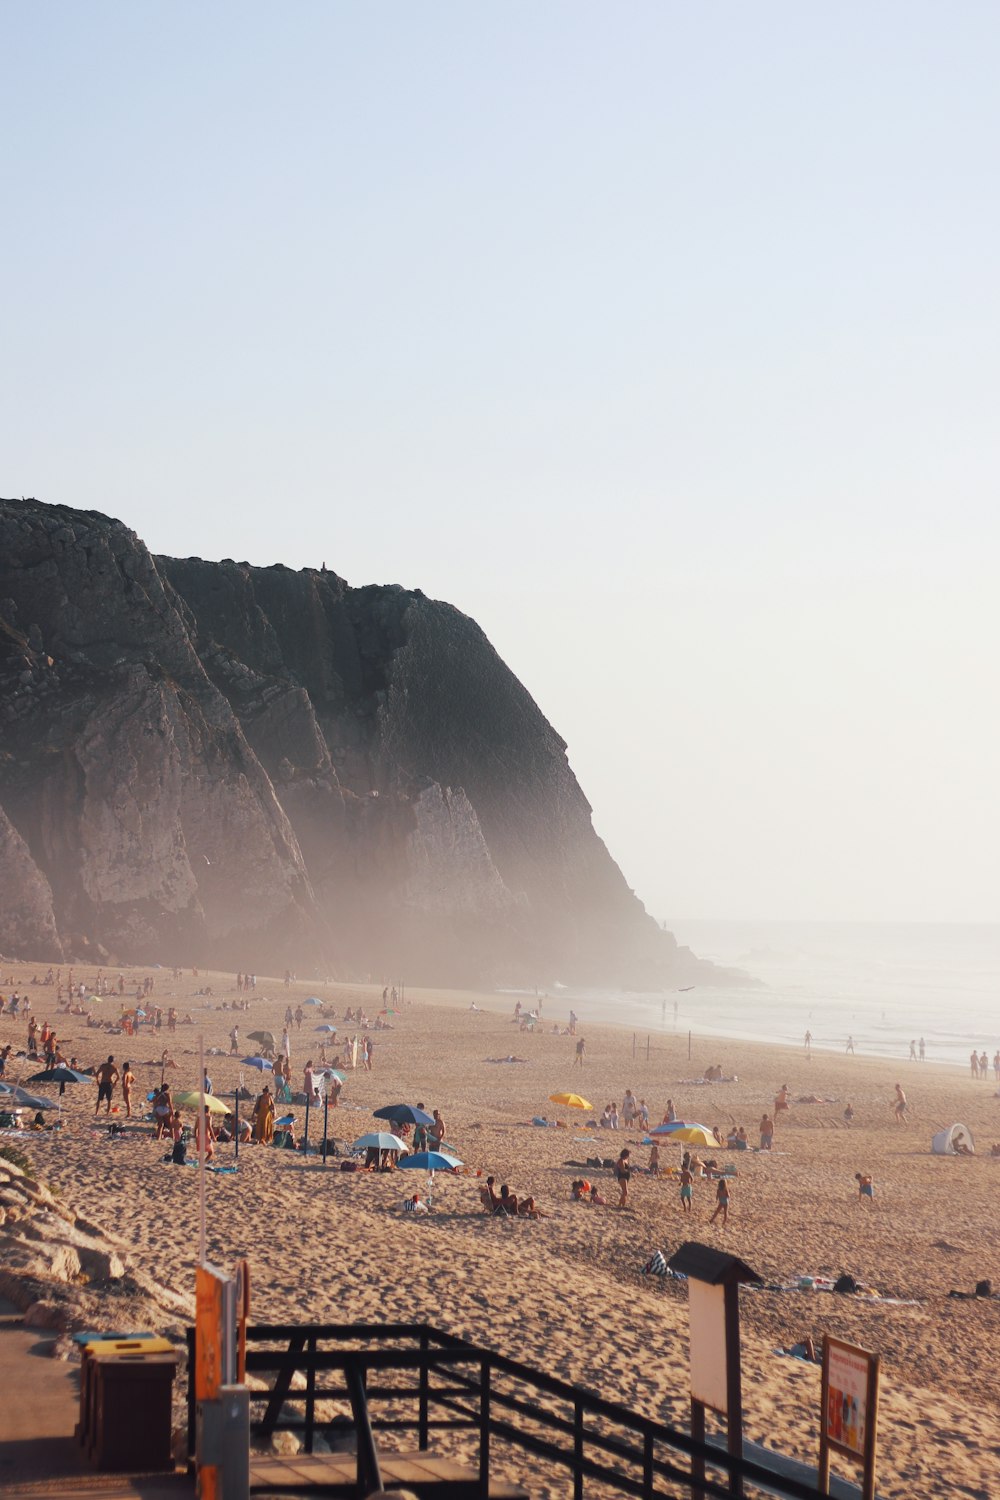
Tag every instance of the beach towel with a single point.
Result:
(656, 1265)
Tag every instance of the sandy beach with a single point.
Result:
(567, 1292)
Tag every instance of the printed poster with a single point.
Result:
(846, 1413)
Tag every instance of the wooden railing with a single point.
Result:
(460, 1386)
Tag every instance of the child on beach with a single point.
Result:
(899, 1107)
(866, 1187)
(687, 1179)
(721, 1202)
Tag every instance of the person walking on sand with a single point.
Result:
(921, 1049)
(899, 1107)
(850, 1045)
(808, 1045)
(687, 1179)
(721, 1201)
(623, 1172)
(913, 1051)
(581, 1048)
(866, 1187)
(234, 1042)
(974, 1063)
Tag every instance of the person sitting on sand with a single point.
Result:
(670, 1114)
(488, 1195)
(507, 1206)
(529, 1209)
(415, 1205)
(597, 1197)
(960, 1145)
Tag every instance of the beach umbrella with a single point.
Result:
(266, 1038)
(571, 1101)
(430, 1161)
(286, 1120)
(312, 1001)
(674, 1127)
(380, 1140)
(23, 1100)
(387, 1010)
(192, 1100)
(257, 1062)
(331, 1073)
(694, 1135)
(61, 1074)
(325, 1027)
(403, 1114)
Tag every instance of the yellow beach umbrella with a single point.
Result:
(692, 1135)
(192, 1100)
(571, 1101)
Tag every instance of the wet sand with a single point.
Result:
(567, 1292)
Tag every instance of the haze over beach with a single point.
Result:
(499, 507)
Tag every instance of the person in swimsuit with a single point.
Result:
(107, 1077)
(721, 1202)
(128, 1080)
(899, 1108)
(686, 1189)
(866, 1187)
(623, 1172)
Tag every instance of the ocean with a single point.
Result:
(884, 984)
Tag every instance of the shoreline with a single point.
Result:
(570, 1287)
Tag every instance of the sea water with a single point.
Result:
(882, 984)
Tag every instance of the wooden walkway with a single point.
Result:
(336, 1475)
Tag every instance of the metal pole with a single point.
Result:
(305, 1143)
(326, 1109)
(689, 1046)
(201, 1156)
(647, 1046)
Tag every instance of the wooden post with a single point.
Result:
(578, 1449)
(424, 1399)
(484, 1429)
(697, 1460)
(633, 1046)
(689, 1046)
(647, 1046)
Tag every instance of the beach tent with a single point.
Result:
(944, 1142)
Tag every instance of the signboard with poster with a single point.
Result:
(849, 1410)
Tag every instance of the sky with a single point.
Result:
(661, 339)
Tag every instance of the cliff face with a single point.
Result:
(254, 767)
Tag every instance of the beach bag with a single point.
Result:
(348, 1166)
(656, 1265)
(179, 1154)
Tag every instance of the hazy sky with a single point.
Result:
(663, 339)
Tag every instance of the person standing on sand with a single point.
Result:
(623, 1172)
(974, 1063)
(808, 1044)
(899, 1107)
(721, 1202)
(234, 1042)
(687, 1179)
(921, 1048)
(581, 1048)
(850, 1045)
(766, 1132)
(866, 1187)
(128, 1079)
(913, 1051)
(107, 1077)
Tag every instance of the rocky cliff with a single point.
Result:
(255, 767)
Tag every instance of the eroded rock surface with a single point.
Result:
(254, 767)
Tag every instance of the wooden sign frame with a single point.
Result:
(863, 1375)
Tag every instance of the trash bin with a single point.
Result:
(143, 1344)
(130, 1410)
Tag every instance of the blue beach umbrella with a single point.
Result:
(331, 1073)
(258, 1062)
(405, 1114)
(60, 1074)
(430, 1161)
(380, 1140)
(325, 1027)
(24, 1100)
(672, 1126)
(312, 1001)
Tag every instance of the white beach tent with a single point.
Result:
(944, 1142)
